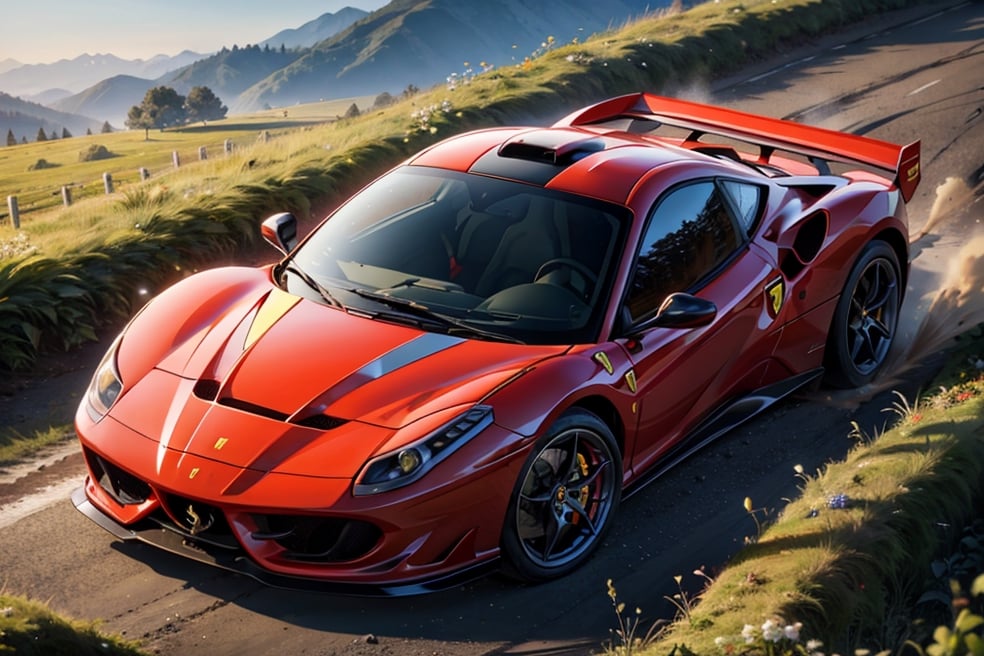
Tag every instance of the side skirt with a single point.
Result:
(723, 420)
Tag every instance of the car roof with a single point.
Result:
(600, 162)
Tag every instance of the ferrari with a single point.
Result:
(475, 359)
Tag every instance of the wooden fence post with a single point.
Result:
(202, 153)
(227, 146)
(14, 211)
(108, 182)
(175, 159)
(66, 196)
(144, 173)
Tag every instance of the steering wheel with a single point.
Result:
(589, 276)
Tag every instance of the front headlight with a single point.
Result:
(105, 387)
(399, 468)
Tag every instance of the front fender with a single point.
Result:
(183, 313)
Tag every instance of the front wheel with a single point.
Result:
(565, 499)
(866, 318)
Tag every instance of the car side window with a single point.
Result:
(747, 199)
(690, 233)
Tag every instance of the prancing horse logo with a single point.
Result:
(196, 525)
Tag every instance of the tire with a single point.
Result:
(564, 500)
(866, 318)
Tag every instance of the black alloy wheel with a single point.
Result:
(866, 318)
(564, 500)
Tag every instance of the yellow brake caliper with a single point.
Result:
(583, 496)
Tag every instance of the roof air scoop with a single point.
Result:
(559, 147)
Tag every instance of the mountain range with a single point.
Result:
(341, 55)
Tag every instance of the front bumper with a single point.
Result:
(172, 538)
(300, 531)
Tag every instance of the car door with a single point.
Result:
(696, 242)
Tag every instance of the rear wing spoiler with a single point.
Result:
(820, 145)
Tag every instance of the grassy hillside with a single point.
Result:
(38, 190)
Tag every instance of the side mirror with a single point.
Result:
(280, 231)
(680, 310)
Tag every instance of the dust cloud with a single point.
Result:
(952, 197)
(957, 307)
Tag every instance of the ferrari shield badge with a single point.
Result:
(775, 293)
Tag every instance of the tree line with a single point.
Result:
(162, 107)
(44, 136)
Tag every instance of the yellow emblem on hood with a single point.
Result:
(276, 305)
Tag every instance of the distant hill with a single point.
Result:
(85, 70)
(421, 42)
(48, 97)
(321, 28)
(8, 64)
(406, 42)
(108, 100)
(25, 118)
(229, 72)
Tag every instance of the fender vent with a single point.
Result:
(810, 235)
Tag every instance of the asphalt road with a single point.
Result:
(917, 75)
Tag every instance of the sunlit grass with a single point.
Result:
(40, 190)
(29, 628)
(15, 446)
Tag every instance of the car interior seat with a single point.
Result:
(525, 246)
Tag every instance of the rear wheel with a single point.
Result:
(565, 499)
(866, 318)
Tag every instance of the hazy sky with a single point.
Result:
(43, 31)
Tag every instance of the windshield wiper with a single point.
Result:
(314, 284)
(419, 309)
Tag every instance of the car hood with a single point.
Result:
(261, 350)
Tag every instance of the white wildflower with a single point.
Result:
(771, 631)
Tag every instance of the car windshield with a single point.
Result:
(469, 252)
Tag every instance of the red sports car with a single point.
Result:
(473, 360)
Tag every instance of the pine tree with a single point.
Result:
(66, 134)
(11, 139)
(41, 135)
(106, 128)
